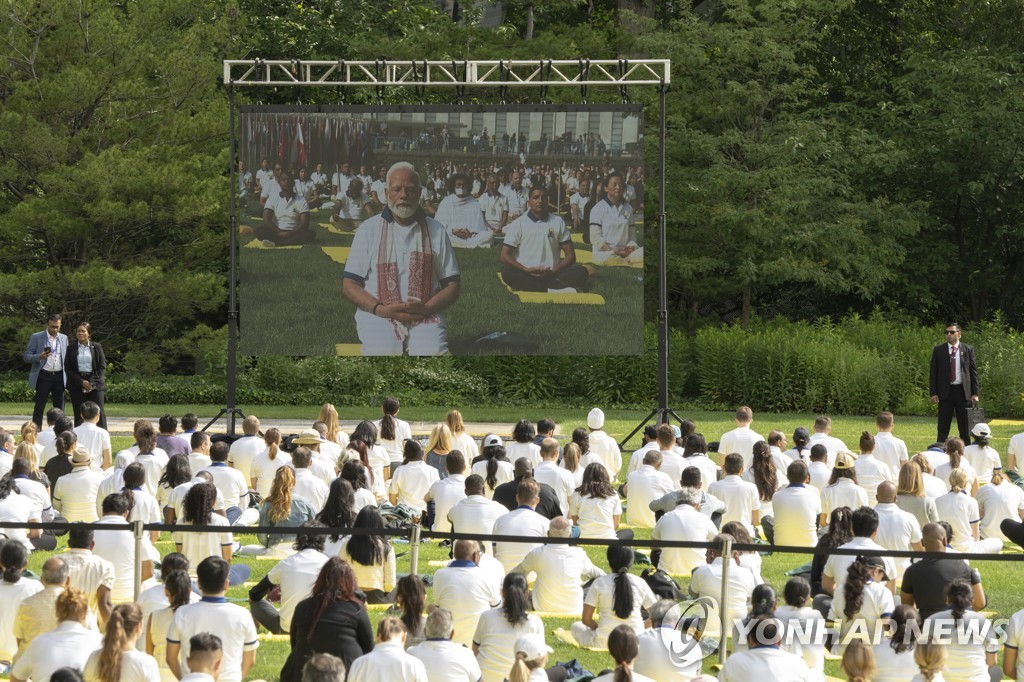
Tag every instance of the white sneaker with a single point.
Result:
(269, 244)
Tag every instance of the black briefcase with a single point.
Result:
(975, 415)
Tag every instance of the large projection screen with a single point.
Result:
(348, 262)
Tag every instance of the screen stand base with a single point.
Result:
(230, 413)
(660, 415)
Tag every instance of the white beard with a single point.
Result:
(403, 212)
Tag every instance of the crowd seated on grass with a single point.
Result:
(482, 615)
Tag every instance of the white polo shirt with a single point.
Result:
(667, 655)
(447, 661)
(263, 469)
(832, 446)
(11, 597)
(615, 225)
(493, 206)
(386, 663)
(708, 468)
(877, 603)
(897, 530)
(230, 483)
(706, 581)
(524, 522)
(197, 461)
(232, 623)
(643, 486)
(135, 665)
(496, 638)
(467, 590)
(1003, 501)
(118, 547)
(70, 645)
(561, 571)
(311, 489)
(74, 494)
(740, 497)
(764, 663)
(984, 460)
(891, 451)
(843, 493)
(287, 211)
(35, 491)
(539, 242)
(243, 451)
(637, 458)
(476, 515)
(596, 515)
(296, 574)
(605, 447)
(530, 451)
(959, 510)
(837, 567)
(560, 480)
(88, 573)
(1015, 629)
(870, 474)
(21, 509)
(198, 546)
(740, 441)
(446, 493)
(673, 464)
(410, 483)
(176, 499)
(796, 510)
(95, 440)
(154, 466)
(820, 473)
(601, 596)
(683, 524)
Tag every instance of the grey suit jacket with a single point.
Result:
(36, 345)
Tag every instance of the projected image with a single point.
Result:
(427, 231)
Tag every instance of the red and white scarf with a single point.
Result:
(421, 271)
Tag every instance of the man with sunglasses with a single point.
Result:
(953, 381)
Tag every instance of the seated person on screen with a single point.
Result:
(462, 216)
(352, 207)
(401, 274)
(613, 227)
(285, 217)
(532, 245)
(494, 206)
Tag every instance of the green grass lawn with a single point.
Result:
(1001, 580)
(279, 288)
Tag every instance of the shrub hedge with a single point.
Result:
(854, 366)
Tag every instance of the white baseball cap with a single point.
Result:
(532, 647)
(492, 440)
(981, 430)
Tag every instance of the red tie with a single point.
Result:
(952, 365)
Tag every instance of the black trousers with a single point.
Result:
(1013, 530)
(957, 404)
(78, 399)
(574, 276)
(49, 386)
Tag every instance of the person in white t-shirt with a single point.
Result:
(538, 253)
(411, 481)
(476, 514)
(388, 660)
(981, 455)
(392, 432)
(549, 473)
(74, 495)
(741, 439)
(444, 659)
(596, 507)
(603, 445)
(523, 521)
(642, 487)
(448, 491)
(797, 508)
(499, 629)
(870, 470)
(889, 449)
(295, 575)
(818, 468)
(617, 597)
(199, 458)
(522, 445)
(960, 510)
(213, 613)
(265, 465)
(14, 589)
(997, 501)
(197, 510)
(649, 441)
(465, 589)
(285, 217)
(461, 440)
(742, 501)
(954, 450)
(613, 226)
(307, 486)
(764, 658)
(494, 206)
(624, 647)
(842, 489)
(70, 645)
(122, 632)
(561, 571)
(683, 524)
(245, 449)
(823, 435)
(93, 438)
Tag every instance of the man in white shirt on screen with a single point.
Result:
(285, 217)
(401, 274)
(741, 439)
(538, 253)
(462, 215)
(494, 206)
(340, 181)
(518, 196)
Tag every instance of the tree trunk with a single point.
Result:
(529, 21)
(745, 310)
(643, 8)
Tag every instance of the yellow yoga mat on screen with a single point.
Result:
(545, 297)
(338, 254)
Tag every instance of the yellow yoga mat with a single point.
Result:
(338, 254)
(587, 258)
(348, 350)
(566, 637)
(257, 244)
(334, 229)
(545, 297)
(267, 637)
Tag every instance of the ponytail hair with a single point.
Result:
(13, 558)
(960, 598)
(178, 586)
(620, 560)
(515, 597)
(273, 440)
(624, 647)
(361, 449)
(763, 600)
(571, 457)
(955, 450)
(134, 477)
(930, 658)
(522, 667)
(859, 662)
(905, 622)
(123, 621)
(867, 442)
(858, 575)
(388, 422)
(957, 480)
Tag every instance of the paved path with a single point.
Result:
(122, 426)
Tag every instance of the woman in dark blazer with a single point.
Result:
(332, 620)
(86, 369)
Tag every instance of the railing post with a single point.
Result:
(414, 550)
(137, 532)
(723, 611)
